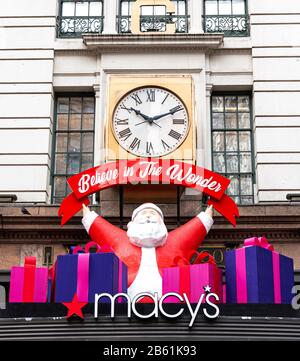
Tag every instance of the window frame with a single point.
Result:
(238, 130)
(121, 17)
(228, 33)
(77, 34)
(53, 173)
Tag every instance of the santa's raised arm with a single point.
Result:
(147, 246)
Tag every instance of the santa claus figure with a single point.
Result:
(147, 247)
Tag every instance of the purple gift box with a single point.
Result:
(87, 274)
(256, 273)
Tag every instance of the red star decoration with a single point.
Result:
(74, 307)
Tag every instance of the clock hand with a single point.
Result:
(165, 114)
(149, 121)
(138, 112)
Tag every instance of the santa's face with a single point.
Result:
(147, 229)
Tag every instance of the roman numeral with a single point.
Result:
(165, 145)
(176, 109)
(122, 121)
(178, 121)
(123, 106)
(151, 95)
(174, 134)
(135, 144)
(149, 148)
(165, 98)
(136, 98)
(126, 133)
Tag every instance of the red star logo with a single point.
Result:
(74, 307)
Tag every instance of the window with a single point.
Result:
(232, 153)
(227, 16)
(73, 141)
(78, 17)
(154, 18)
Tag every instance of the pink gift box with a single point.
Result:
(192, 279)
(28, 283)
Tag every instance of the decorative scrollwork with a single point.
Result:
(156, 23)
(76, 26)
(124, 24)
(230, 25)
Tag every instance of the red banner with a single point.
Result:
(148, 171)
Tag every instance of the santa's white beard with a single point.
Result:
(152, 234)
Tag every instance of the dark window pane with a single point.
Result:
(245, 141)
(218, 141)
(61, 164)
(73, 163)
(87, 161)
(87, 142)
(75, 105)
(230, 104)
(88, 105)
(246, 185)
(245, 163)
(75, 121)
(61, 142)
(63, 105)
(244, 105)
(74, 142)
(231, 141)
(88, 122)
(217, 104)
(218, 120)
(230, 120)
(234, 186)
(62, 121)
(244, 120)
(232, 163)
(247, 200)
(59, 186)
(219, 163)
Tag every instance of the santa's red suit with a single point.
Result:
(145, 264)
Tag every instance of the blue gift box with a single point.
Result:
(89, 274)
(258, 275)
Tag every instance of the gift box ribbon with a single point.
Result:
(258, 241)
(83, 269)
(241, 280)
(29, 279)
(185, 277)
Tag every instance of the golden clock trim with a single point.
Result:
(179, 84)
(157, 87)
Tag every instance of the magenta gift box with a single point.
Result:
(192, 279)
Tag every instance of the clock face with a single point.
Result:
(150, 122)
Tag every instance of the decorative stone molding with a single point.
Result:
(131, 42)
(279, 223)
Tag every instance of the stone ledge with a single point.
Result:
(121, 42)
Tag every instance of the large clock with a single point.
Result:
(150, 122)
